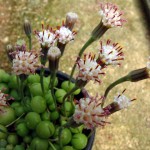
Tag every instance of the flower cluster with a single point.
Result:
(89, 112)
(111, 16)
(48, 37)
(89, 69)
(25, 62)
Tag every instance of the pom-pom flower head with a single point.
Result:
(111, 16)
(122, 101)
(46, 37)
(25, 62)
(110, 54)
(89, 69)
(89, 112)
(65, 35)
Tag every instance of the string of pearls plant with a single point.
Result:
(39, 112)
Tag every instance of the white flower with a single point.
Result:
(89, 69)
(46, 38)
(25, 62)
(2, 99)
(89, 112)
(110, 54)
(65, 35)
(111, 16)
(122, 101)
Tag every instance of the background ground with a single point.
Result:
(129, 129)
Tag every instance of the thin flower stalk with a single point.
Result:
(133, 76)
(112, 85)
(88, 43)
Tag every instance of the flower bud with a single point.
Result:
(71, 19)
(27, 27)
(9, 50)
(53, 57)
(139, 74)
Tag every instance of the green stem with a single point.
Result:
(112, 85)
(91, 133)
(30, 42)
(69, 93)
(59, 137)
(71, 123)
(41, 79)
(89, 42)
(22, 88)
(21, 84)
(50, 143)
(14, 121)
(52, 80)
(18, 82)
